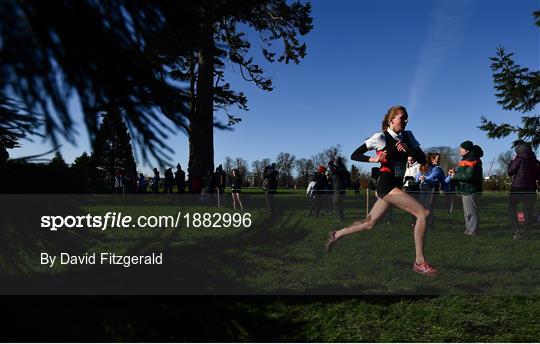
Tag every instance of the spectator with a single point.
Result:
(270, 184)
(319, 190)
(468, 176)
(340, 179)
(432, 179)
(236, 188)
(525, 171)
(155, 181)
(180, 179)
(410, 183)
(141, 187)
(168, 181)
(208, 186)
(221, 183)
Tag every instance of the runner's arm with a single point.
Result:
(359, 154)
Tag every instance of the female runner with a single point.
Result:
(393, 145)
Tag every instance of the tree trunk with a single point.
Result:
(201, 139)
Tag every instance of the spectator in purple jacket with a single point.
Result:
(525, 171)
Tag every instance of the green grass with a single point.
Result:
(285, 257)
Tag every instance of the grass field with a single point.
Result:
(488, 289)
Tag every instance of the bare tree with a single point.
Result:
(330, 153)
(304, 169)
(319, 159)
(242, 166)
(228, 165)
(285, 164)
(257, 168)
(503, 160)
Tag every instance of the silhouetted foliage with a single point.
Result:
(517, 89)
(58, 162)
(21, 177)
(15, 123)
(159, 65)
(112, 150)
(99, 54)
(224, 27)
(86, 171)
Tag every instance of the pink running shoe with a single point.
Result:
(425, 269)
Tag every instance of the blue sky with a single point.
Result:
(363, 57)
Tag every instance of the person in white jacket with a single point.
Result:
(409, 179)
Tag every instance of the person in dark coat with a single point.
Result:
(155, 181)
(236, 188)
(221, 183)
(270, 185)
(525, 172)
(319, 190)
(168, 181)
(340, 177)
(468, 177)
(180, 179)
(141, 183)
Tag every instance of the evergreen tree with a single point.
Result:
(15, 123)
(83, 162)
(86, 173)
(223, 29)
(112, 149)
(58, 162)
(158, 64)
(99, 51)
(517, 89)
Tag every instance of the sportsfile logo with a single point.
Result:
(109, 220)
(118, 220)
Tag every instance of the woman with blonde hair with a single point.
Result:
(393, 145)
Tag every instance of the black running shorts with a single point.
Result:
(386, 183)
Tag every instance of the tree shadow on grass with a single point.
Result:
(212, 265)
(23, 238)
